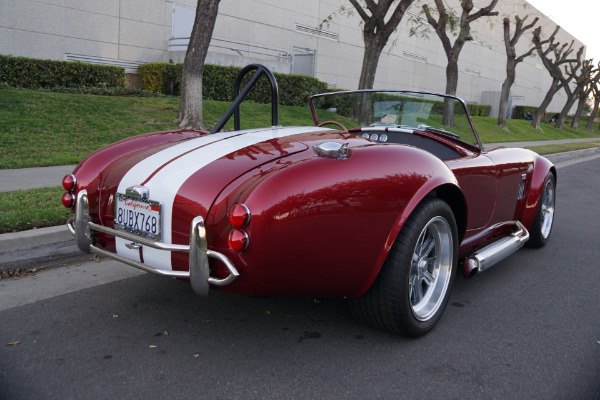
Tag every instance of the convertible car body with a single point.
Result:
(381, 202)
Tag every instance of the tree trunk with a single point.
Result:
(511, 61)
(451, 85)
(580, 105)
(560, 122)
(504, 95)
(373, 51)
(190, 103)
(535, 123)
(593, 115)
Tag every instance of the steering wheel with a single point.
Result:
(333, 123)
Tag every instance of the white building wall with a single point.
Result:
(138, 31)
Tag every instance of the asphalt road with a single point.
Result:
(529, 328)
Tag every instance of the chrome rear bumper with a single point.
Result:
(199, 273)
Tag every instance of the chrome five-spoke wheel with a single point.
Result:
(540, 230)
(430, 269)
(547, 207)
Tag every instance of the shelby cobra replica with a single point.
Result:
(382, 210)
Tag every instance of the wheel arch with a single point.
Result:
(454, 197)
(542, 167)
(442, 188)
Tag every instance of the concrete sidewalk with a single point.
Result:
(31, 178)
(49, 246)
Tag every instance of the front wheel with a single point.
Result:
(539, 234)
(412, 289)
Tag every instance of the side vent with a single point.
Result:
(522, 187)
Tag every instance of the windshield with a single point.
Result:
(432, 113)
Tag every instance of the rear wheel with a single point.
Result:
(539, 234)
(412, 289)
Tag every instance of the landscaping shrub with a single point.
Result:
(218, 82)
(479, 110)
(32, 73)
(121, 92)
(520, 111)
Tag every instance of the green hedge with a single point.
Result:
(475, 110)
(479, 110)
(161, 78)
(101, 91)
(217, 84)
(31, 73)
(520, 111)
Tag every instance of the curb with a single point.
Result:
(37, 247)
(558, 158)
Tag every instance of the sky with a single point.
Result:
(579, 18)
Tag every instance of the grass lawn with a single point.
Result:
(559, 148)
(33, 208)
(44, 128)
(521, 130)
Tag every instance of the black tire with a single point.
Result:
(540, 231)
(412, 289)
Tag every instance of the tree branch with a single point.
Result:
(483, 12)
(519, 30)
(397, 15)
(440, 25)
(360, 10)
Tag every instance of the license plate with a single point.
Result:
(137, 216)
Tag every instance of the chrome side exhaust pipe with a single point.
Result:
(493, 253)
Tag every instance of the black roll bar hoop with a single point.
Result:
(234, 108)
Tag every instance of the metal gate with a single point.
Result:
(303, 61)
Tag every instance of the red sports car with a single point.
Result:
(381, 208)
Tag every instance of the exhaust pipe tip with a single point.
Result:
(471, 267)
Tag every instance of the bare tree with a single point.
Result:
(512, 60)
(447, 22)
(190, 103)
(553, 66)
(596, 92)
(376, 31)
(572, 93)
(582, 79)
(587, 87)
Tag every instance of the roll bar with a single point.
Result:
(234, 108)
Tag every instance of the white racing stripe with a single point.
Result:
(142, 170)
(165, 185)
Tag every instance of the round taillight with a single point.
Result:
(238, 240)
(239, 215)
(68, 200)
(69, 182)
